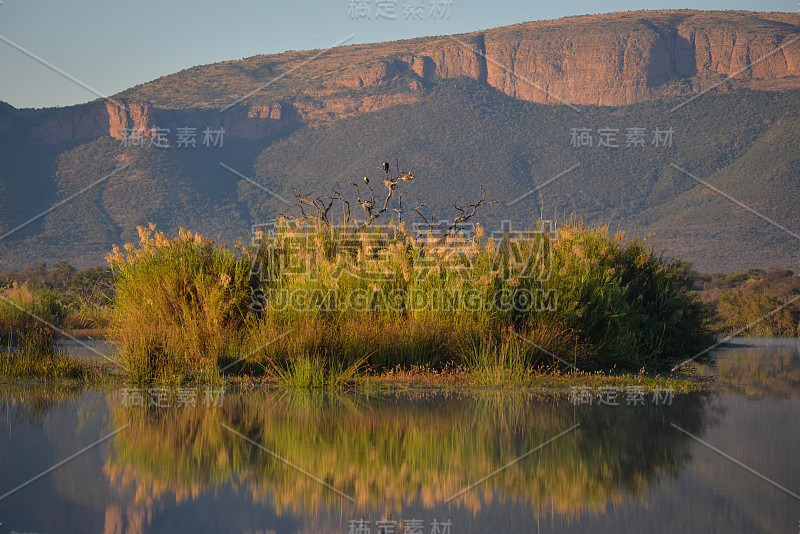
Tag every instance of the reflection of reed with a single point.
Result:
(132, 520)
(29, 404)
(397, 452)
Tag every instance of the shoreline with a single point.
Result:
(100, 374)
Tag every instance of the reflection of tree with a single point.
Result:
(397, 452)
(759, 373)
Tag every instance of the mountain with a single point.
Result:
(498, 107)
(612, 59)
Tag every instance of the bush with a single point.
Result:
(28, 322)
(634, 307)
(179, 304)
(754, 303)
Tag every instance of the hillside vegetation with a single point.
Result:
(461, 135)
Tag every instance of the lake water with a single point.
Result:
(421, 461)
(90, 349)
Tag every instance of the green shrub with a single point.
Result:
(593, 299)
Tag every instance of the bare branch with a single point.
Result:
(421, 204)
(399, 208)
(319, 209)
(464, 216)
(390, 185)
(338, 196)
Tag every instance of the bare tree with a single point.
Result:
(318, 209)
(463, 210)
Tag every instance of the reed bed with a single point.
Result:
(316, 305)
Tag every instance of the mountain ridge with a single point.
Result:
(683, 44)
(455, 119)
(617, 59)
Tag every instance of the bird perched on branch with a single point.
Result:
(367, 205)
(407, 177)
(386, 166)
(366, 180)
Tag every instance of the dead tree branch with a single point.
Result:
(464, 216)
(318, 209)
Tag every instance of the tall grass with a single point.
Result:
(317, 305)
(180, 304)
(24, 311)
(28, 319)
(40, 362)
(507, 358)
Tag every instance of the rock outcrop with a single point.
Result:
(245, 122)
(129, 115)
(121, 116)
(614, 59)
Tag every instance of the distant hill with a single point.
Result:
(456, 116)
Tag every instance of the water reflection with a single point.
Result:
(402, 455)
(26, 404)
(397, 454)
(770, 368)
(91, 349)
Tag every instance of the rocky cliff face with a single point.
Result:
(245, 122)
(614, 59)
(129, 115)
(621, 59)
(119, 117)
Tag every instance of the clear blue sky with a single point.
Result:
(111, 45)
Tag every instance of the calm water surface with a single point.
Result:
(487, 461)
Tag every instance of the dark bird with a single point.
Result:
(366, 180)
(385, 166)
